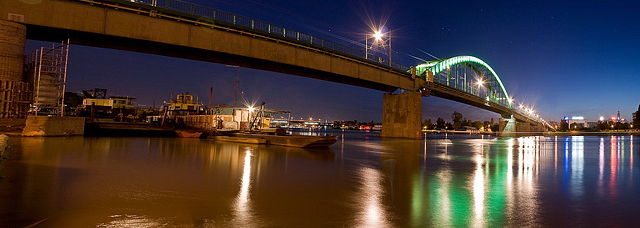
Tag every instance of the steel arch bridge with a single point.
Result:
(470, 80)
(466, 74)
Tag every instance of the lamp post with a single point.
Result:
(380, 39)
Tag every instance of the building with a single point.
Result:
(183, 104)
(229, 118)
(96, 104)
(576, 122)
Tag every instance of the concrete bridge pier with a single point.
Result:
(14, 93)
(508, 126)
(402, 115)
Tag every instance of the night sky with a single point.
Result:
(563, 57)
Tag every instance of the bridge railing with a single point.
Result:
(215, 16)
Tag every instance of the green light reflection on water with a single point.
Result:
(449, 201)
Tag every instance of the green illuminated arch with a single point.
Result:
(440, 65)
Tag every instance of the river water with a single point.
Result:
(361, 181)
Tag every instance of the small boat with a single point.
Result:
(240, 139)
(184, 133)
(294, 140)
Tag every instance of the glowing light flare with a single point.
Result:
(377, 35)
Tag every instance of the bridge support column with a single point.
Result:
(402, 115)
(508, 126)
(14, 93)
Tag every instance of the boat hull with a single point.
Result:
(294, 140)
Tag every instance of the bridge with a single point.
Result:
(181, 29)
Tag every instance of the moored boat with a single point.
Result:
(184, 133)
(294, 140)
(240, 139)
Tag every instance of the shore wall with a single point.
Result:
(53, 126)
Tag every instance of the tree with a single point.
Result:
(477, 124)
(440, 124)
(449, 126)
(458, 120)
(564, 125)
(427, 124)
(636, 118)
(495, 127)
(603, 125)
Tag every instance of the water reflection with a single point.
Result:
(242, 205)
(478, 187)
(457, 181)
(601, 162)
(613, 165)
(132, 221)
(577, 166)
(372, 208)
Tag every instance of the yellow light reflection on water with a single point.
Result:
(372, 212)
(242, 206)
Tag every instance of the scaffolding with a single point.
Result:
(49, 65)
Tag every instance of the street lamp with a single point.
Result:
(378, 35)
(380, 39)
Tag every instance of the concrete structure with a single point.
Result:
(142, 27)
(12, 41)
(119, 27)
(15, 95)
(511, 127)
(402, 115)
(53, 126)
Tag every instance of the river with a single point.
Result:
(361, 181)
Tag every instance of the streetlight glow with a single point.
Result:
(377, 35)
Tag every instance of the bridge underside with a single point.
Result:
(108, 26)
(184, 52)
